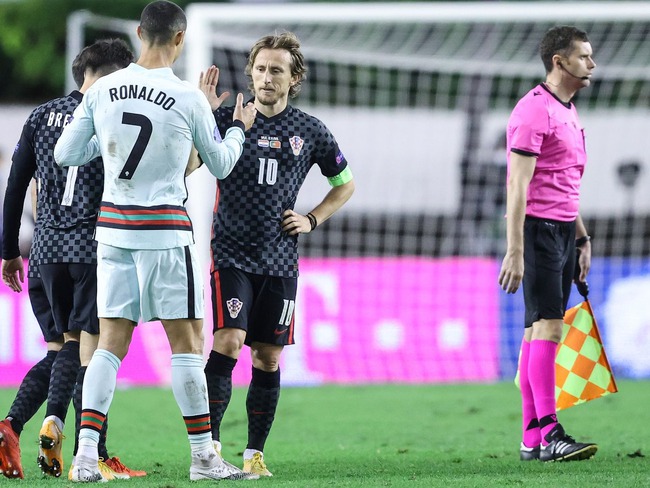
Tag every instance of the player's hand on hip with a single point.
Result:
(13, 273)
(294, 223)
(246, 113)
(208, 85)
(512, 272)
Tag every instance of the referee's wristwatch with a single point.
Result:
(581, 241)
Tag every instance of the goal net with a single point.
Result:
(401, 284)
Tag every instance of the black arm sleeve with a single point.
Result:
(23, 168)
(521, 152)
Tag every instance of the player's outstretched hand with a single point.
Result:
(13, 273)
(246, 113)
(512, 272)
(294, 223)
(208, 85)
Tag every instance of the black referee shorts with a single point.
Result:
(261, 305)
(42, 311)
(71, 289)
(549, 261)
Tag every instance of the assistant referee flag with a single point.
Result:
(582, 372)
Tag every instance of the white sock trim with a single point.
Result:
(59, 423)
(110, 357)
(187, 360)
(249, 453)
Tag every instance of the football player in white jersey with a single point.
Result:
(62, 269)
(145, 121)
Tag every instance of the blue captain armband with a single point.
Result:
(342, 178)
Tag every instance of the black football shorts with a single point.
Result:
(42, 311)
(549, 261)
(71, 289)
(261, 305)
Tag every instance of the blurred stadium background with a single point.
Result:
(401, 285)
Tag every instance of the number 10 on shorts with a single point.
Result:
(287, 312)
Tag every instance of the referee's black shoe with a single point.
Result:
(563, 447)
(528, 453)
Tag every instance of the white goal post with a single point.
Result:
(202, 16)
(77, 24)
(215, 24)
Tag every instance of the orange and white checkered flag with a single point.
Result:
(582, 372)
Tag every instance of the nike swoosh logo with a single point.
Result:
(279, 332)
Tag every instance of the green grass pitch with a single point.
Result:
(463, 435)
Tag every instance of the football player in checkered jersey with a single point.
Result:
(62, 261)
(256, 232)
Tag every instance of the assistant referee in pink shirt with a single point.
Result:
(546, 160)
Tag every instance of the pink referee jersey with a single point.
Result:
(543, 126)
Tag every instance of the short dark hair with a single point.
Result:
(289, 42)
(559, 40)
(102, 57)
(161, 20)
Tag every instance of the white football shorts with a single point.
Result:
(149, 284)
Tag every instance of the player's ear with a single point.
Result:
(179, 38)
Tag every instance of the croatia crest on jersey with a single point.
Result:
(296, 144)
(234, 307)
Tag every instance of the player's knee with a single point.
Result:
(265, 356)
(73, 335)
(116, 345)
(229, 341)
(548, 330)
(268, 365)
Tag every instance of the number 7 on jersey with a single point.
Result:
(146, 128)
